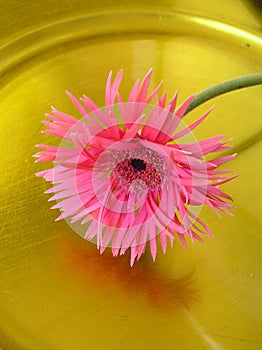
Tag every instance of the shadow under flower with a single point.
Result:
(144, 278)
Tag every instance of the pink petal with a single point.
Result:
(182, 109)
(77, 104)
(192, 126)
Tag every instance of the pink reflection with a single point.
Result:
(104, 272)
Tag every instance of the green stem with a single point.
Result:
(222, 88)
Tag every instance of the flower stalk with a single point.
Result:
(224, 87)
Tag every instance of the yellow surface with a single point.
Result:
(56, 291)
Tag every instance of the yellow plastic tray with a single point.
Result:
(56, 291)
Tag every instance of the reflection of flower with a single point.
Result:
(121, 170)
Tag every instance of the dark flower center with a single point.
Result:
(138, 164)
(134, 169)
(137, 168)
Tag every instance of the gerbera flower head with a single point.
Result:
(131, 173)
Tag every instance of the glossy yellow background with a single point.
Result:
(56, 291)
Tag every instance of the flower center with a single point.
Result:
(137, 168)
(138, 164)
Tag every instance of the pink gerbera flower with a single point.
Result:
(132, 172)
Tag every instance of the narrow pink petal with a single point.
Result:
(133, 93)
(199, 221)
(183, 241)
(108, 89)
(141, 97)
(154, 93)
(85, 212)
(131, 236)
(101, 215)
(106, 238)
(89, 103)
(162, 220)
(172, 103)
(218, 192)
(197, 237)
(192, 126)
(47, 147)
(226, 211)
(51, 125)
(163, 241)
(91, 230)
(222, 160)
(141, 250)
(133, 255)
(58, 133)
(115, 86)
(153, 247)
(162, 100)
(123, 250)
(77, 104)
(154, 123)
(225, 180)
(51, 117)
(182, 109)
(65, 117)
(46, 174)
(132, 132)
(44, 158)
